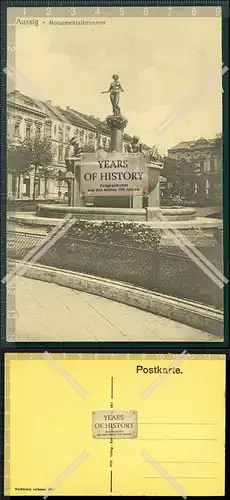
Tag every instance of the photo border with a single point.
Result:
(122, 346)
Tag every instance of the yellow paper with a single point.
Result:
(49, 444)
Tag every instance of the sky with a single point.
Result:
(167, 67)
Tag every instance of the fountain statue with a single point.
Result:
(116, 122)
(114, 91)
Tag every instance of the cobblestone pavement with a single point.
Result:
(49, 312)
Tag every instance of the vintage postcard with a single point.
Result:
(114, 425)
(114, 174)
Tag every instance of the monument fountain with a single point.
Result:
(135, 169)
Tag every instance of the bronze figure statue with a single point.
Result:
(134, 146)
(76, 153)
(114, 91)
(74, 142)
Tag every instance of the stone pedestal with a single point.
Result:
(137, 201)
(73, 181)
(154, 170)
(117, 124)
(153, 198)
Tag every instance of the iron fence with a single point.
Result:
(159, 270)
(19, 243)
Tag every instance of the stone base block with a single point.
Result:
(153, 213)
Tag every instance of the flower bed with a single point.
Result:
(117, 232)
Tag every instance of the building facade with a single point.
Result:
(28, 117)
(197, 168)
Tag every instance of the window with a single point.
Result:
(67, 133)
(26, 188)
(91, 138)
(207, 166)
(207, 186)
(216, 167)
(67, 152)
(202, 165)
(60, 154)
(212, 165)
(55, 153)
(82, 137)
(38, 132)
(76, 133)
(28, 131)
(55, 129)
(38, 187)
(60, 134)
(195, 188)
(48, 128)
(17, 129)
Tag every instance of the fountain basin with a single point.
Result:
(108, 213)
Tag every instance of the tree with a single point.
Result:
(41, 155)
(170, 173)
(182, 175)
(45, 173)
(18, 160)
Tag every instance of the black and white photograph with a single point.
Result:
(115, 174)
